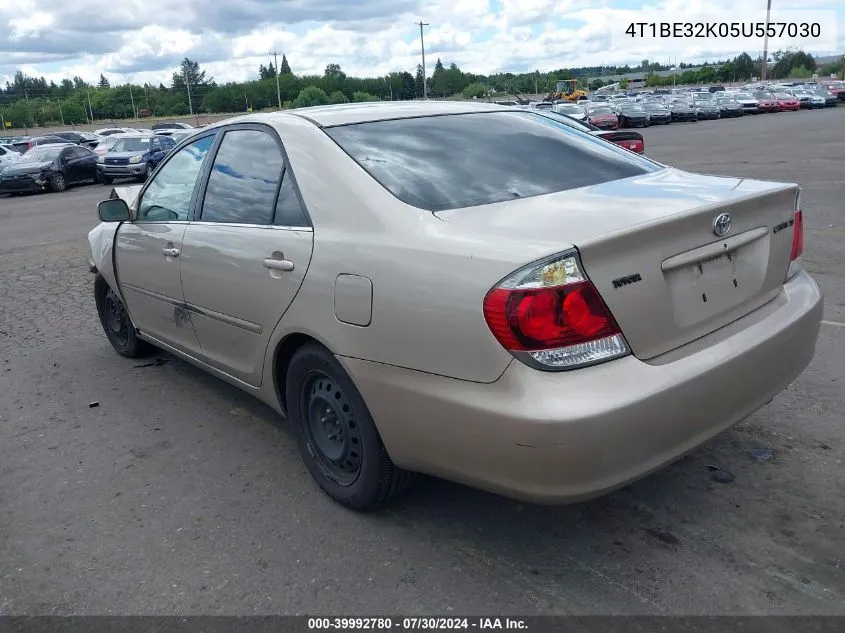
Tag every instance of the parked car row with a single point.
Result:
(615, 111)
(52, 162)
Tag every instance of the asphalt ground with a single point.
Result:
(180, 495)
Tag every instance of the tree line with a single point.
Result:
(33, 101)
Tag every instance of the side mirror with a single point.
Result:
(114, 210)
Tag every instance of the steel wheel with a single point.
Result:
(115, 317)
(333, 434)
(58, 182)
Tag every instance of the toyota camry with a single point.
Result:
(471, 291)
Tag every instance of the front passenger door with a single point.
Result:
(149, 249)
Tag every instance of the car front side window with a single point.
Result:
(168, 196)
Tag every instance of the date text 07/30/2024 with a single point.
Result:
(416, 624)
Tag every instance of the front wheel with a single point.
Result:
(106, 180)
(116, 322)
(57, 182)
(336, 435)
(148, 171)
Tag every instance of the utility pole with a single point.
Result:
(188, 85)
(61, 114)
(766, 42)
(90, 109)
(421, 24)
(132, 99)
(276, 66)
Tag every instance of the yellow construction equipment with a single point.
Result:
(567, 90)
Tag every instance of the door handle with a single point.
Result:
(278, 264)
(170, 252)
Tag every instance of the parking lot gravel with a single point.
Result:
(177, 494)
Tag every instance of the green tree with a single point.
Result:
(475, 91)
(311, 96)
(195, 76)
(623, 84)
(266, 72)
(104, 83)
(800, 72)
(652, 81)
(419, 81)
(73, 113)
(333, 71)
(359, 96)
(285, 69)
(338, 97)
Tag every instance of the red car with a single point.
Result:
(603, 118)
(837, 88)
(766, 102)
(787, 102)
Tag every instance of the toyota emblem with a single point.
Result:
(722, 224)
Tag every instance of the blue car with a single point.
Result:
(134, 156)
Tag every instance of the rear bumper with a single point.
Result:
(562, 437)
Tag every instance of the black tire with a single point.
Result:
(116, 322)
(148, 171)
(57, 183)
(106, 180)
(336, 435)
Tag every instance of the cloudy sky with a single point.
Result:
(144, 40)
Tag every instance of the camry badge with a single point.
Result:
(722, 224)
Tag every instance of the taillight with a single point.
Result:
(550, 316)
(797, 239)
(635, 146)
(797, 236)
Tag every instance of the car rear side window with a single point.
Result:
(463, 160)
(288, 209)
(244, 179)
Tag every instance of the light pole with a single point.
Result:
(766, 42)
(278, 89)
(188, 86)
(421, 24)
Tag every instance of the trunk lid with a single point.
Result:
(649, 245)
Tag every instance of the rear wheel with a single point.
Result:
(336, 435)
(116, 322)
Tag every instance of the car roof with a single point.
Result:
(349, 113)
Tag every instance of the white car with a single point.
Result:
(8, 156)
(105, 145)
(747, 101)
(571, 110)
(111, 131)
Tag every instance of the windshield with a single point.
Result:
(743, 95)
(655, 106)
(505, 156)
(601, 111)
(632, 108)
(782, 95)
(131, 145)
(42, 153)
(566, 108)
(543, 106)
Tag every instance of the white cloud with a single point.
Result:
(144, 40)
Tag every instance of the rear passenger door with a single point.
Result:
(245, 254)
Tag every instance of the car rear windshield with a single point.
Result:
(453, 161)
(131, 145)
